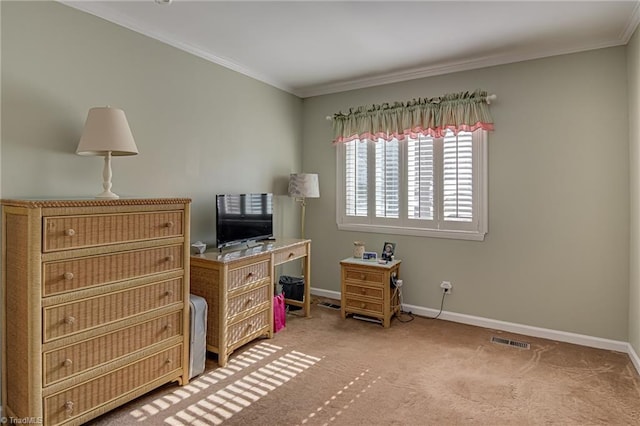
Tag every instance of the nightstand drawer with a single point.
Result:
(248, 301)
(375, 293)
(69, 232)
(68, 361)
(364, 306)
(69, 275)
(248, 274)
(368, 276)
(70, 318)
(75, 401)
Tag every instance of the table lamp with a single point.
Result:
(106, 132)
(301, 187)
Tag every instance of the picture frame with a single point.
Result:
(369, 255)
(388, 251)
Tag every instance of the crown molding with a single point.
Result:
(99, 11)
(109, 15)
(446, 68)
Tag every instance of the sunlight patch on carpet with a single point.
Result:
(335, 402)
(214, 408)
(234, 366)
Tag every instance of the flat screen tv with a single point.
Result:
(243, 218)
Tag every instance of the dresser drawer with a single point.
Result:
(357, 290)
(368, 276)
(75, 401)
(247, 275)
(62, 320)
(259, 322)
(248, 301)
(364, 306)
(75, 274)
(290, 254)
(69, 232)
(64, 362)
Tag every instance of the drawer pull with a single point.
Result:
(363, 291)
(70, 320)
(291, 254)
(169, 258)
(169, 361)
(68, 407)
(250, 275)
(250, 325)
(363, 305)
(249, 300)
(168, 327)
(67, 362)
(169, 224)
(168, 293)
(68, 275)
(69, 232)
(363, 276)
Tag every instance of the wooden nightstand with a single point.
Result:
(366, 289)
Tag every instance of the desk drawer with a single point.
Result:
(62, 320)
(375, 293)
(290, 254)
(74, 359)
(259, 322)
(69, 232)
(248, 301)
(368, 276)
(248, 275)
(69, 275)
(75, 401)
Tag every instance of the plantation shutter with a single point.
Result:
(420, 175)
(387, 179)
(356, 202)
(457, 177)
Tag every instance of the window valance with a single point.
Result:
(463, 111)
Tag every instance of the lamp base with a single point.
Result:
(107, 194)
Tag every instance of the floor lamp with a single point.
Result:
(301, 187)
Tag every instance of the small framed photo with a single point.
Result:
(388, 251)
(369, 255)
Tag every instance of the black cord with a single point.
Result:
(411, 317)
(441, 305)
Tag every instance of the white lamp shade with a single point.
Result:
(106, 130)
(304, 185)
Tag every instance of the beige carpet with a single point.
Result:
(328, 371)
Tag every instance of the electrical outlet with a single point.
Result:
(446, 287)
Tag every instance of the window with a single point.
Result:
(426, 186)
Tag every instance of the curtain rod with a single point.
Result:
(490, 98)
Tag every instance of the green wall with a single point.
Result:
(633, 71)
(556, 255)
(201, 129)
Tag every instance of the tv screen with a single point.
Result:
(241, 218)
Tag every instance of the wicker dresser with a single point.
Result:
(96, 297)
(238, 287)
(366, 289)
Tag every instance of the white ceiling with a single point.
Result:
(316, 47)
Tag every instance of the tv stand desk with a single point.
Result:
(238, 286)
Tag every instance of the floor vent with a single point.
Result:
(329, 305)
(509, 342)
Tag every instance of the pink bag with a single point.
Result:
(279, 313)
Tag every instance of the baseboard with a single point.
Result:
(545, 333)
(634, 357)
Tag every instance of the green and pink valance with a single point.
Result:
(457, 112)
